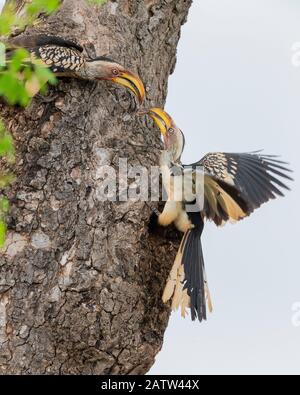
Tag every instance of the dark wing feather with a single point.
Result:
(267, 175)
(62, 56)
(237, 184)
(40, 40)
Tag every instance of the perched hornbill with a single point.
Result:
(65, 59)
(224, 187)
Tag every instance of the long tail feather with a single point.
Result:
(194, 276)
(174, 273)
(187, 282)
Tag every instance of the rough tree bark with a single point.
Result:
(80, 280)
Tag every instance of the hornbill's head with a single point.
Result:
(173, 137)
(103, 68)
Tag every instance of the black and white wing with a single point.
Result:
(237, 184)
(60, 55)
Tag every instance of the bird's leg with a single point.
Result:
(170, 213)
(182, 222)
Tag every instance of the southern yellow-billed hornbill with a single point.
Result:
(224, 187)
(65, 59)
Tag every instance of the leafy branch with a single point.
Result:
(10, 19)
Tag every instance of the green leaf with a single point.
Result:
(7, 21)
(13, 89)
(39, 6)
(6, 179)
(4, 206)
(17, 61)
(44, 74)
(6, 144)
(3, 230)
(4, 210)
(2, 54)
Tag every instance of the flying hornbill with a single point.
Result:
(65, 59)
(224, 187)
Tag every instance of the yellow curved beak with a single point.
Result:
(161, 118)
(133, 83)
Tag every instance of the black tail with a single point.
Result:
(186, 284)
(194, 271)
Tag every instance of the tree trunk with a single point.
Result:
(81, 280)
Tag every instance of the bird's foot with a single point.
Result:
(169, 214)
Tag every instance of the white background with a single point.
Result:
(235, 89)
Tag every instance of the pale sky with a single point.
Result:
(235, 89)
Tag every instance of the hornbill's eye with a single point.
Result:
(171, 131)
(115, 72)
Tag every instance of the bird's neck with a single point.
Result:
(167, 160)
(84, 72)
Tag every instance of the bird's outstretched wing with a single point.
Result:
(237, 184)
(59, 54)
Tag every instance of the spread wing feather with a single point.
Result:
(237, 184)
